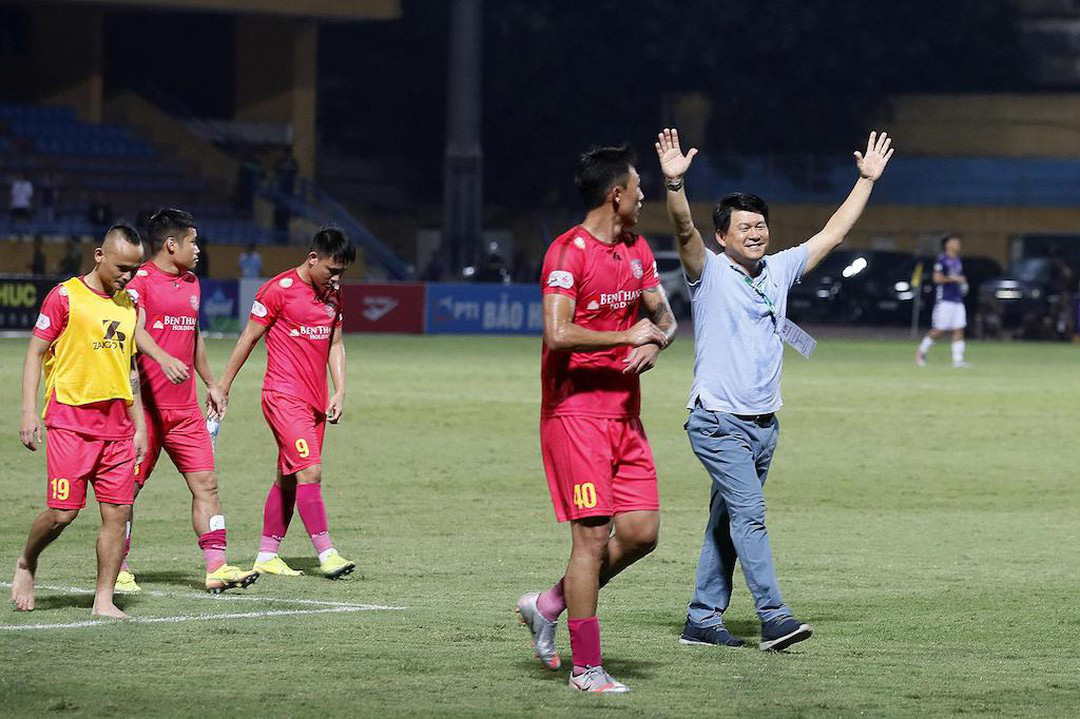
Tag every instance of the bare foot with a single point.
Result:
(22, 587)
(107, 611)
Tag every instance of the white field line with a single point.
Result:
(319, 607)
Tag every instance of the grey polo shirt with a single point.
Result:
(737, 350)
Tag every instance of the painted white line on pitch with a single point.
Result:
(195, 617)
(212, 597)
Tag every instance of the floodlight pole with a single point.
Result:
(463, 170)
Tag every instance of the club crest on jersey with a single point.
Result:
(579, 243)
(560, 278)
(133, 294)
(258, 309)
(330, 310)
(194, 300)
(635, 267)
(286, 282)
(43, 322)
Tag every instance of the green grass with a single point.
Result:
(925, 521)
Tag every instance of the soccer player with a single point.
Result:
(299, 311)
(84, 337)
(597, 459)
(738, 303)
(169, 343)
(949, 314)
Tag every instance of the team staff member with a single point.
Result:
(739, 301)
(85, 338)
(299, 311)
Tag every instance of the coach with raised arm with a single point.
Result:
(739, 308)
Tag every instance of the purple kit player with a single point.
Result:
(949, 312)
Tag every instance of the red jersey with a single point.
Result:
(301, 324)
(103, 420)
(606, 282)
(171, 304)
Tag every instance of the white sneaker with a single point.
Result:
(542, 630)
(597, 681)
(961, 365)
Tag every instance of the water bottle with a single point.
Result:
(213, 424)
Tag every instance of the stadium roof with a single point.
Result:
(322, 9)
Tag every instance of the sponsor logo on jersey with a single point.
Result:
(618, 300)
(180, 323)
(636, 269)
(560, 278)
(112, 338)
(320, 332)
(258, 309)
(142, 273)
(133, 294)
(286, 282)
(594, 305)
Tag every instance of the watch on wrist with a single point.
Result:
(674, 185)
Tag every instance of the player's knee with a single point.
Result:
(310, 475)
(61, 518)
(203, 484)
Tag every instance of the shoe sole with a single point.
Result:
(696, 643)
(556, 661)
(242, 584)
(804, 632)
(339, 573)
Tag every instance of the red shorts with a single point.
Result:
(73, 459)
(182, 434)
(597, 467)
(298, 429)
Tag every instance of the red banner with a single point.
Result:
(384, 308)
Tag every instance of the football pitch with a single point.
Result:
(925, 521)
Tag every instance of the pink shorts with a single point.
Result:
(298, 429)
(182, 434)
(598, 467)
(73, 459)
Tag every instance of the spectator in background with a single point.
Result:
(22, 195)
(100, 213)
(71, 263)
(48, 195)
(37, 262)
(250, 262)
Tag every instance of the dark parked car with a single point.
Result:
(891, 300)
(1033, 299)
(838, 289)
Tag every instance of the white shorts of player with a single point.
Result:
(949, 316)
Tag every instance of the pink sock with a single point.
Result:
(551, 603)
(213, 546)
(277, 513)
(585, 643)
(309, 503)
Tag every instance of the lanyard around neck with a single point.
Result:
(773, 314)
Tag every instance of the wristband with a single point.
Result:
(674, 185)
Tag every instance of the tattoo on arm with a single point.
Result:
(659, 311)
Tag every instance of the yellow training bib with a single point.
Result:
(91, 359)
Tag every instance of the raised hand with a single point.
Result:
(673, 163)
(878, 152)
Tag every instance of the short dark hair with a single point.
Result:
(167, 222)
(601, 169)
(333, 243)
(946, 238)
(126, 230)
(721, 215)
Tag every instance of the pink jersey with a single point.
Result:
(606, 282)
(301, 324)
(171, 304)
(106, 420)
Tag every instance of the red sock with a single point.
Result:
(213, 546)
(277, 513)
(551, 603)
(585, 643)
(309, 503)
